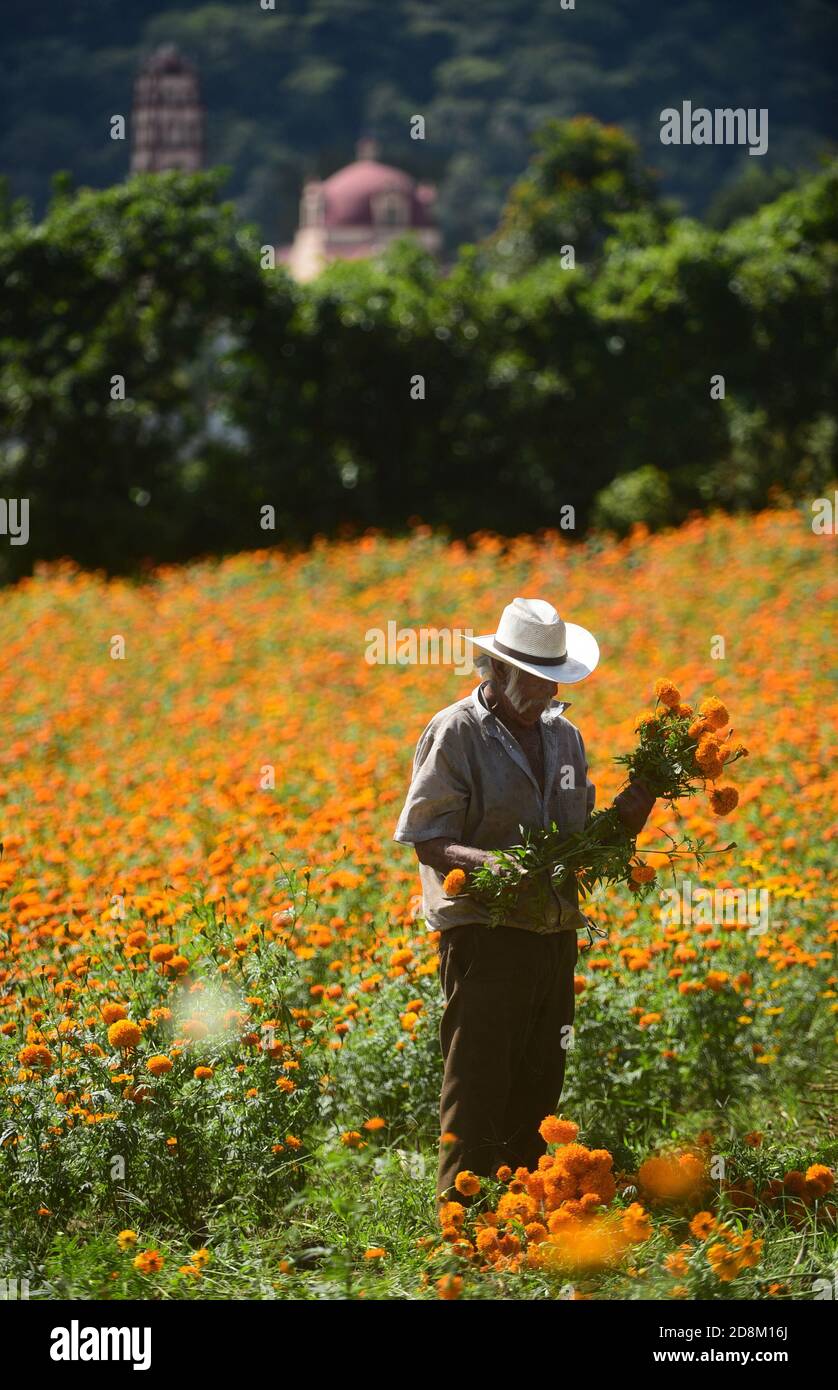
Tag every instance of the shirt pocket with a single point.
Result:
(569, 807)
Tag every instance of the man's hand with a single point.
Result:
(634, 804)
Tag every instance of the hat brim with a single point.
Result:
(582, 656)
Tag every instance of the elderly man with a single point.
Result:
(501, 758)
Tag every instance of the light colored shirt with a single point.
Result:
(472, 783)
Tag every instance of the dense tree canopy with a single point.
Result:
(159, 389)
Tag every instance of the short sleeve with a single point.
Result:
(438, 797)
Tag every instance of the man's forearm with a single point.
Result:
(443, 855)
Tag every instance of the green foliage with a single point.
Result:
(541, 387)
(582, 177)
(641, 496)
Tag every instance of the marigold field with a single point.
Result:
(219, 1007)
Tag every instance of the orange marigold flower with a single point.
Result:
(375, 1252)
(467, 1183)
(453, 883)
(203, 1073)
(708, 756)
(713, 712)
(449, 1286)
(148, 1262)
(162, 952)
(819, 1180)
(351, 1139)
(724, 800)
(636, 1222)
(702, 1224)
(725, 1262)
(112, 1013)
(124, 1034)
(36, 1056)
(517, 1206)
(159, 1064)
(642, 873)
(376, 1122)
(557, 1131)
(668, 693)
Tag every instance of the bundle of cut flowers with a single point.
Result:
(678, 754)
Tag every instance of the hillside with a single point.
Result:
(289, 90)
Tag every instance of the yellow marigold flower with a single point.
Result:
(409, 1021)
(201, 1257)
(713, 712)
(159, 1065)
(453, 883)
(467, 1183)
(112, 1013)
(724, 800)
(203, 1073)
(148, 1262)
(556, 1131)
(126, 1239)
(124, 1034)
(667, 693)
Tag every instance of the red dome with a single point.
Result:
(350, 193)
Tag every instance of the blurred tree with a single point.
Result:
(583, 176)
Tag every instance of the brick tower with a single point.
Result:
(168, 117)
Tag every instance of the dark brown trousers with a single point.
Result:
(505, 1031)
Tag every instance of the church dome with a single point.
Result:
(367, 193)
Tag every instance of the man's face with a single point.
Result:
(528, 695)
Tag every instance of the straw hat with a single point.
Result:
(532, 636)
